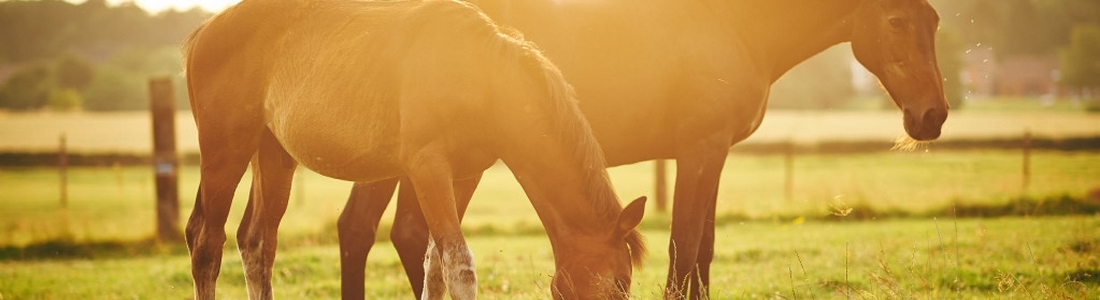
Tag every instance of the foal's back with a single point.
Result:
(332, 79)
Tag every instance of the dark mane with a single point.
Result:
(572, 130)
(577, 132)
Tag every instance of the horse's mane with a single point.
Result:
(573, 129)
(509, 50)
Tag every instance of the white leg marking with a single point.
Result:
(459, 272)
(434, 286)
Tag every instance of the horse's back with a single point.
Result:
(329, 78)
(634, 65)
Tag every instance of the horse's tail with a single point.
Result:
(189, 45)
(187, 50)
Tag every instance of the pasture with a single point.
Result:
(115, 203)
(1005, 258)
(768, 247)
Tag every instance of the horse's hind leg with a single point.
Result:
(221, 171)
(357, 227)
(410, 236)
(257, 236)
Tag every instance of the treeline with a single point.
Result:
(90, 56)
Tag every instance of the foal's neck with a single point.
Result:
(785, 33)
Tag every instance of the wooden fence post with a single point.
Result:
(63, 169)
(165, 160)
(1026, 180)
(788, 172)
(661, 185)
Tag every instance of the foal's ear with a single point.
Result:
(631, 216)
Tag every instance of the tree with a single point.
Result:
(74, 73)
(1022, 34)
(115, 89)
(949, 51)
(27, 89)
(821, 82)
(64, 100)
(1081, 60)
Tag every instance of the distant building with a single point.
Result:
(979, 75)
(1027, 76)
(6, 71)
(1012, 76)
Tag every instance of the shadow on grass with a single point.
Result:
(1054, 206)
(67, 248)
(63, 249)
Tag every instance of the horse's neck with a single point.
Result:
(784, 33)
(549, 147)
(568, 196)
(780, 33)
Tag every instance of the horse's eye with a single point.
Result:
(898, 22)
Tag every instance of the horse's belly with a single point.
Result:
(347, 148)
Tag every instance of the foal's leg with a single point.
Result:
(357, 227)
(257, 236)
(410, 232)
(221, 170)
(428, 168)
(434, 284)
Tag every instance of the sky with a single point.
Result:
(155, 6)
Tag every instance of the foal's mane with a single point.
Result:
(573, 130)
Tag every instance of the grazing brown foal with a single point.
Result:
(367, 91)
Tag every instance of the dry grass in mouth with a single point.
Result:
(907, 144)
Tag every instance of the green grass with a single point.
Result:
(1005, 258)
(117, 203)
(776, 248)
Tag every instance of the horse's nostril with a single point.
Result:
(934, 117)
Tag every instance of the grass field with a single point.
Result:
(769, 247)
(1005, 258)
(785, 251)
(117, 203)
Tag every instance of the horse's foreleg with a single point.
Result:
(410, 232)
(428, 169)
(692, 243)
(357, 227)
(257, 236)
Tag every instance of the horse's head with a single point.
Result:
(602, 270)
(895, 40)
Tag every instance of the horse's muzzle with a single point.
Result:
(925, 125)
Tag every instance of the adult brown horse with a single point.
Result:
(367, 91)
(686, 80)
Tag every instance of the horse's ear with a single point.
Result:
(631, 216)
